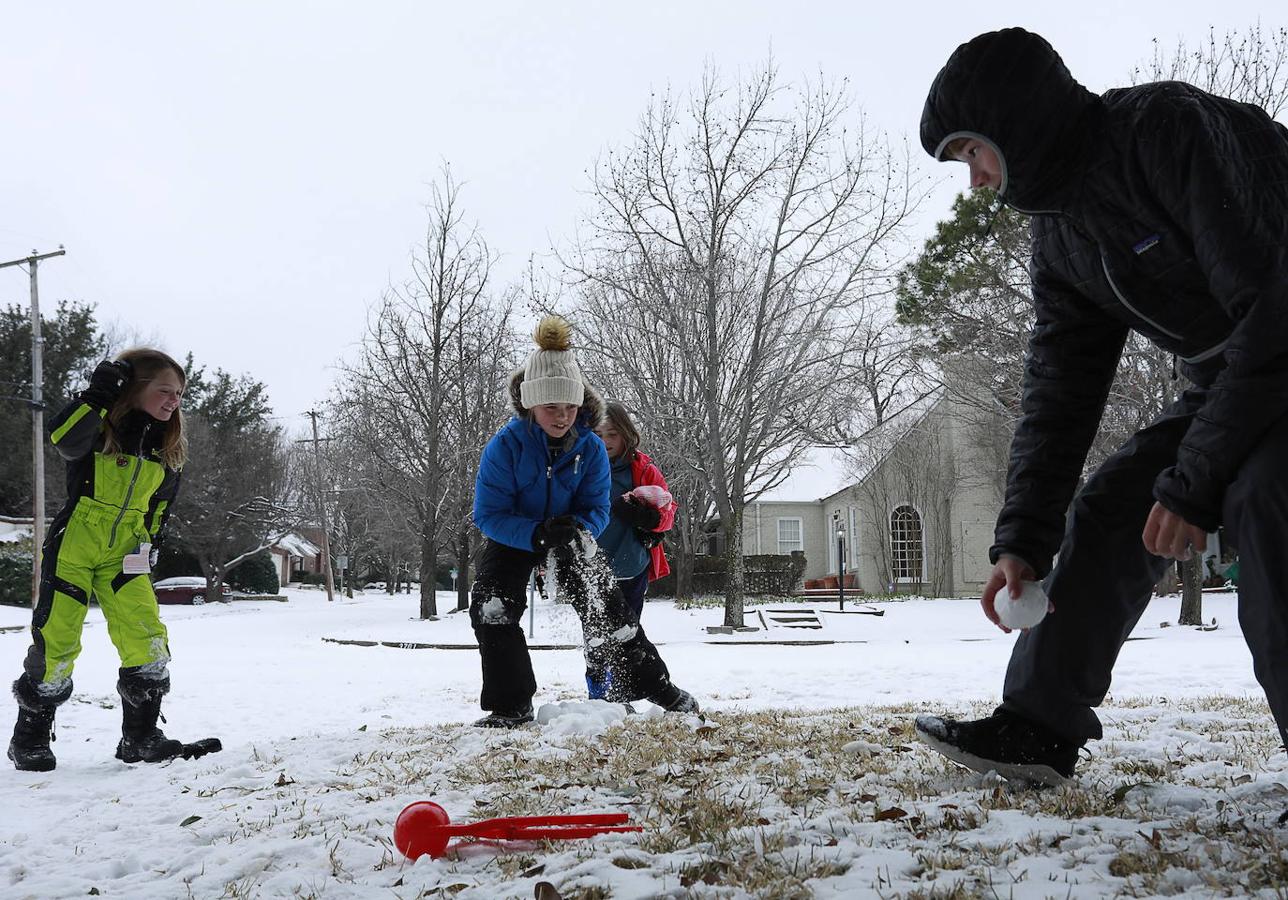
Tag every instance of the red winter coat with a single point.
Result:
(643, 471)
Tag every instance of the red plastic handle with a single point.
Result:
(505, 826)
(559, 834)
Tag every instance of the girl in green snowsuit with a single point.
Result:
(122, 439)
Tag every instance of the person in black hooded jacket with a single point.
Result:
(1163, 209)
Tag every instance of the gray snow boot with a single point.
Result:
(29, 750)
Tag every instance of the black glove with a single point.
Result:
(107, 383)
(554, 532)
(637, 515)
(648, 538)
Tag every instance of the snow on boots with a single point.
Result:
(29, 750)
(141, 739)
(615, 642)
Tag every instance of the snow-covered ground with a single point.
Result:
(324, 742)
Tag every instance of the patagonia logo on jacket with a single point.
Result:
(1146, 244)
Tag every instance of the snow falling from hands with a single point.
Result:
(583, 575)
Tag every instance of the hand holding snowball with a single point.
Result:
(1024, 611)
(1012, 598)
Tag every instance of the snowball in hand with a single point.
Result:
(1023, 612)
(651, 495)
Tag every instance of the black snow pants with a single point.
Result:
(1103, 577)
(611, 633)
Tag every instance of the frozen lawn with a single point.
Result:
(802, 780)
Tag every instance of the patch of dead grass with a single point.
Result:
(780, 803)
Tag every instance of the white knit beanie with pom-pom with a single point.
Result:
(551, 375)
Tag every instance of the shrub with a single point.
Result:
(15, 573)
(774, 573)
(763, 574)
(257, 575)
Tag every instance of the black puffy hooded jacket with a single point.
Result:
(1159, 208)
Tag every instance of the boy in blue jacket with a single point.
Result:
(543, 490)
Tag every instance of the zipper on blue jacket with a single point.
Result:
(549, 472)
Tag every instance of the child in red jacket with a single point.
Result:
(642, 512)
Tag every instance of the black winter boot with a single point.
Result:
(1005, 743)
(506, 719)
(674, 699)
(29, 750)
(141, 739)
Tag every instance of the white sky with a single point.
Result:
(242, 179)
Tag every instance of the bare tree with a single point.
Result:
(649, 377)
(481, 357)
(403, 396)
(234, 498)
(745, 221)
(1250, 66)
(339, 475)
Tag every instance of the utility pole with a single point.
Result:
(326, 540)
(37, 419)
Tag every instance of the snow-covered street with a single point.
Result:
(325, 742)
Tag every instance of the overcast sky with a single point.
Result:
(242, 179)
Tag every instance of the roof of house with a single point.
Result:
(821, 472)
(824, 471)
(296, 545)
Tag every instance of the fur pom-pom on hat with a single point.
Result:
(551, 374)
(553, 333)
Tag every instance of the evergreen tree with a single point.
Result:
(72, 346)
(231, 504)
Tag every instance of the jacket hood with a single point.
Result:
(592, 405)
(1010, 89)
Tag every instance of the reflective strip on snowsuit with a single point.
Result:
(116, 501)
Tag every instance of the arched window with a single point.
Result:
(906, 548)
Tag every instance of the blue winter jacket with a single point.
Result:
(518, 487)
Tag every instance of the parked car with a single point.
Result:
(187, 590)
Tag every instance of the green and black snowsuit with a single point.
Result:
(115, 502)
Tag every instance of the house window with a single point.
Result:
(790, 536)
(907, 551)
